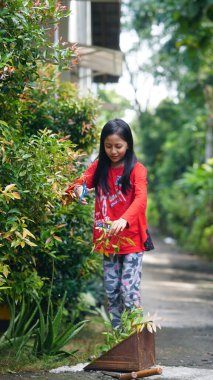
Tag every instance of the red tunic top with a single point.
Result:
(115, 205)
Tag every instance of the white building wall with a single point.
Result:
(79, 31)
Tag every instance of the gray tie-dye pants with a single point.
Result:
(122, 277)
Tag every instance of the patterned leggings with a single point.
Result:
(122, 277)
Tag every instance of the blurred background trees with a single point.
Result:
(176, 138)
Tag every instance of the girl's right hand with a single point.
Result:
(78, 192)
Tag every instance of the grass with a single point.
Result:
(86, 342)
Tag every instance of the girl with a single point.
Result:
(120, 203)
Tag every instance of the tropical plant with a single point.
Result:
(132, 321)
(21, 327)
(37, 332)
(50, 338)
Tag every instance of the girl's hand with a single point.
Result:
(117, 226)
(78, 192)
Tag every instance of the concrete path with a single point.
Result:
(179, 287)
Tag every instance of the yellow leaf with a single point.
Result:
(6, 234)
(54, 186)
(26, 232)
(5, 271)
(18, 234)
(22, 244)
(16, 195)
(30, 243)
(14, 227)
(100, 237)
(130, 241)
(10, 187)
(57, 238)
(61, 225)
(34, 260)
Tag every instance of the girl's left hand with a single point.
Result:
(117, 226)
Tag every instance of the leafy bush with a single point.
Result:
(188, 209)
(55, 105)
(36, 229)
(27, 28)
(38, 237)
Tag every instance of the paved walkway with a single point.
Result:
(180, 288)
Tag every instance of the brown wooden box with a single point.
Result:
(133, 354)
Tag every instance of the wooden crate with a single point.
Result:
(133, 354)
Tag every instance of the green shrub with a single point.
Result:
(39, 237)
(57, 106)
(187, 209)
(25, 41)
(35, 226)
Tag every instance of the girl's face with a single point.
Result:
(115, 148)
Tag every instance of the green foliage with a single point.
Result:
(176, 137)
(26, 31)
(38, 234)
(55, 105)
(187, 208)
(176, 133)
(36, 332)
(21, 326)
(131, 322)
(49, 339)
(35, 226)
(107, 242)
(152, 211)
(113, 105)
(179, 183)
(183, 37)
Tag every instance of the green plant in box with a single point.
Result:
(132, 321)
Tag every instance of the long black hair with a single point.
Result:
(122, 129)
